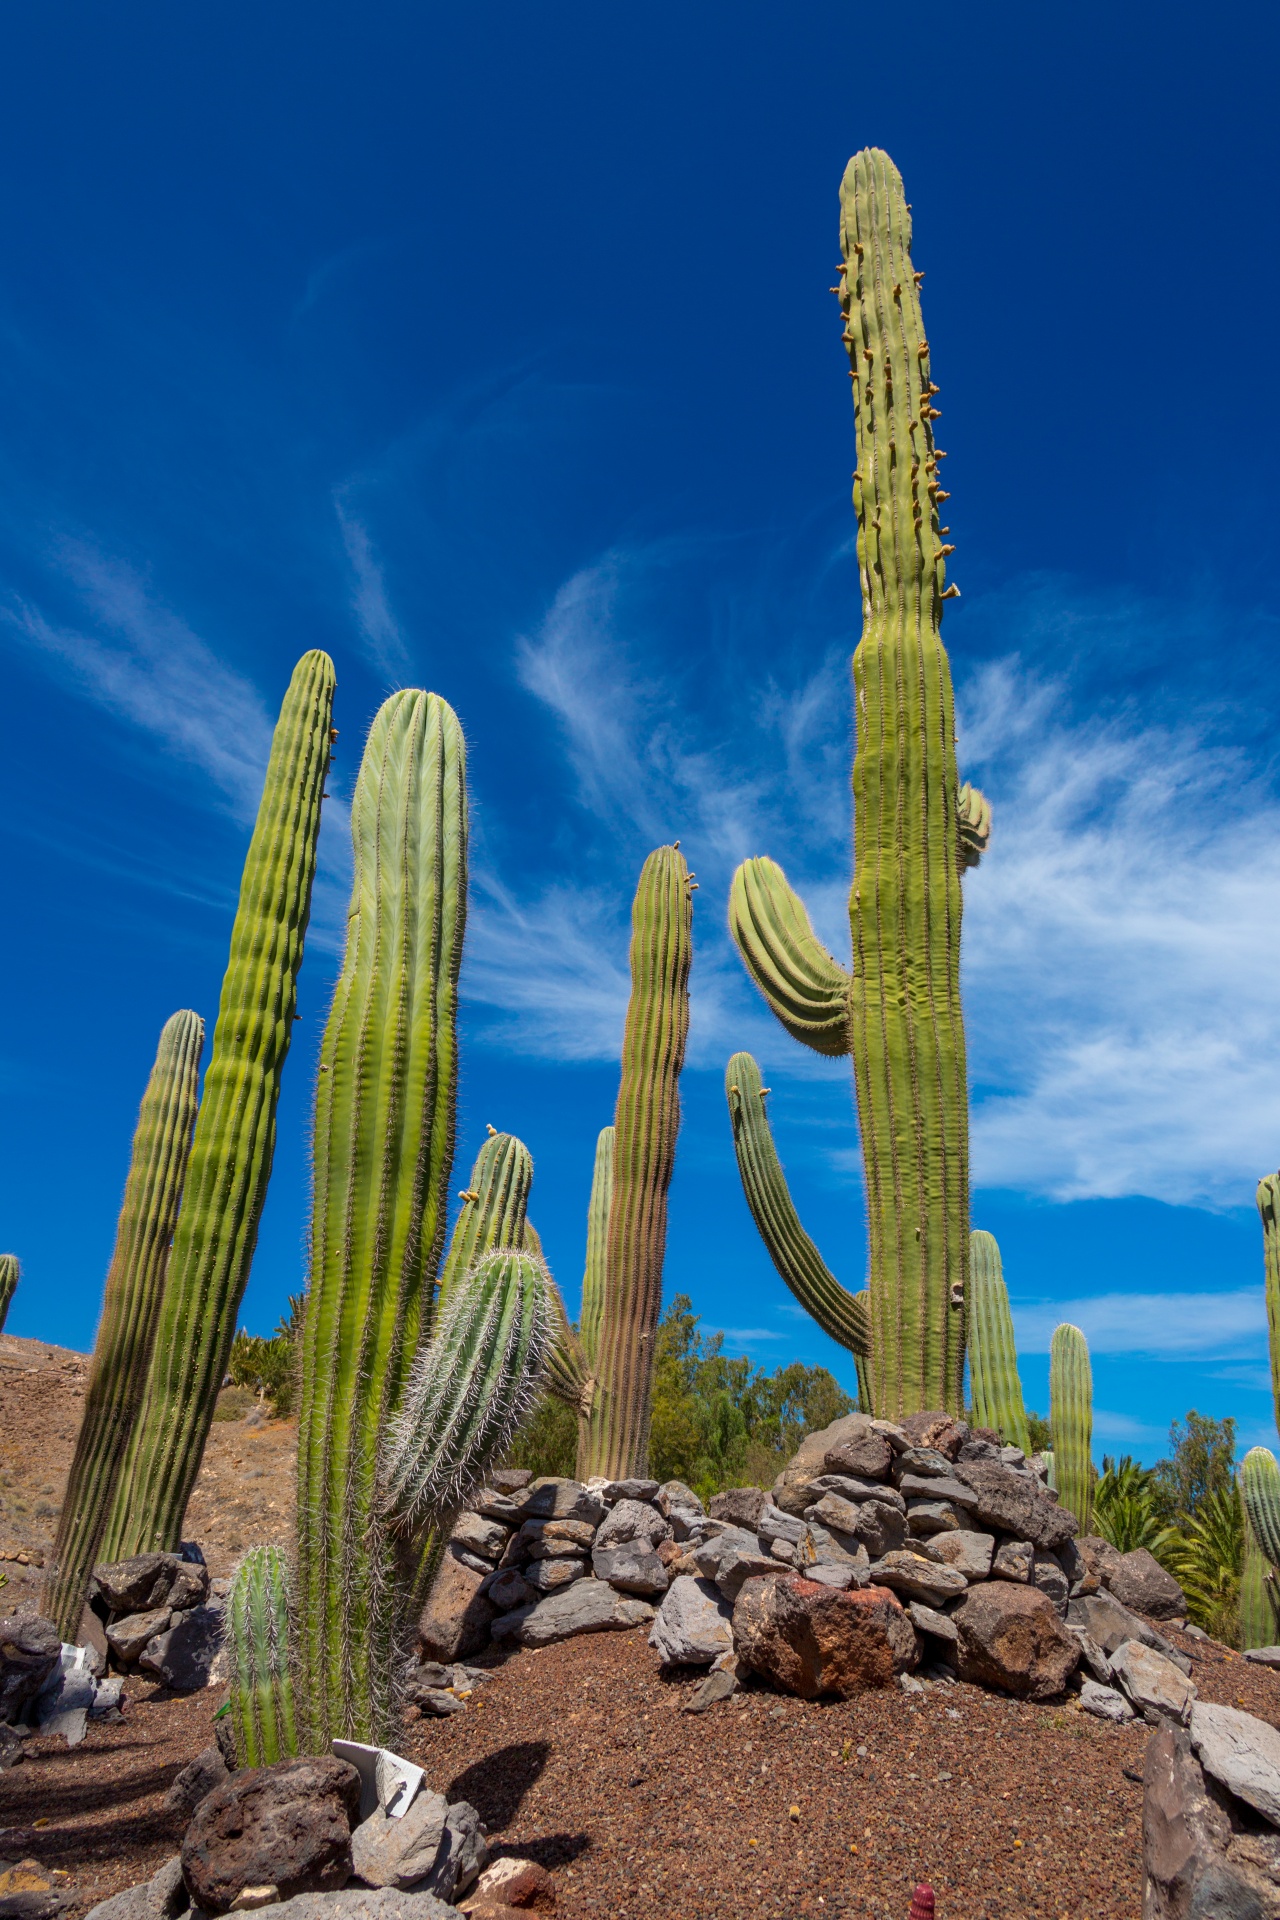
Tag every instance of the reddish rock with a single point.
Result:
(811, 1639)
(287, 1826)
(511, 1885)
(937, 1430)
(457, 1616)
(1010, 1637)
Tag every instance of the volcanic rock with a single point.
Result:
(1011, 1637)
(810, 1639)
(287, 1826)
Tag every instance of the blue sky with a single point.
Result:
(491, 349)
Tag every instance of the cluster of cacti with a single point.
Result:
(9, 1276)
(1071, 1418)
(995, 1389)
(130, 1311)
(838, 1312)
(615, 1436)
(230, 1163)
(915, 830)
(263, 1716)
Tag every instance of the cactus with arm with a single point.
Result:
(615, 1442)
(384, 1136)
(838, 1312)
(1071, 1418)
(915, 830)
(231, 1153)
(995, 1388)
(130, 1309)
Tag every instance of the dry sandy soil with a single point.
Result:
(580, 1756)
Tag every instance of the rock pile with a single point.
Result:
(158, 1617)
(880, 1549)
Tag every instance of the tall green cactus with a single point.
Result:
(1259, 1597)
(915, 830)
(130, 1310)
(1071, 1418)
(1260, 1488)
(838, 1312)
(995, 1388)
(263, 1716)
(9, 1276)
(1269, 1210)
(384, 1138)
(616, 1439)
(231, 1153)
(494, 1207)
(595, 1266)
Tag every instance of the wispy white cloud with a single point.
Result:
(1123, 1429)
(1163, 1325)
(379, 629)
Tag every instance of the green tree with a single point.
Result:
(1126, 1508)
(1203, 1462)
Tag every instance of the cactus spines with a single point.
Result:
(471, 1387)
(1259, 1596)
(9, 1276)
(914, 833)
(230, 1163)
(494, 1207)
(130, 1309)
(1269, 1209)
(1260, 1488)
(263, 1718)
(805, 987)
(838, 1312)
(593, 1275)
(1071, 1417)
(995, 1387)
(616, 1443)
(384, 1135)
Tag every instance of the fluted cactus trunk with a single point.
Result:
(838, 1312)
(1260, 1488)
(616, 1441)
(1071, 1418)
(1259, 1596)
(231, 1154)
(1269, 1209)
(263, 1715)
(995, 1388)
(384, 1137)
(494, 1207)
(9, 1275)
(130, 1311)
(906, 1029)
(596, 1264)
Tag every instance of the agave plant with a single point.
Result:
(1126, 1509)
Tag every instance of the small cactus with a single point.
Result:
(9, 1276)
(258, 1639)
(1071, 1418)
(1269, 1210)
(993, 1354)
(1260, 1486)
(922, 1903)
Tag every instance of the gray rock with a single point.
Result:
(927, 1517)
(1140, 1582)
(287, 1826)
(510, 1479)
(162, 1897)
(968, 1552)
(881, 1528)
(548, 1540)
(493, 1505)
(633, 1520)
(708, 1551)
(717, 1686)
(675, 1499)
(183, 1657)
(740, 1506)
(507, 1590)
(1261, 1656)
(1110, 1624)
(1013, 1560)
(1242, 1752)
(190, 1581)
(1092, 1658)
(866, 1455)
(836, 1514)
(915, 1486)
(1008, 1501)
(366, 1903)
(437, 1703)
(631, 1567)
(198, 1778)
(553, 1498)
(838, 1574)
(1013, 1456)
(856, 1490)
(464, 1852)
(614, 1490)
(1081, 1578)
(1198, 1861)
(936, 1432)
(141, 1583)
(128, 1637)
(412, 1850)
(12, 1749)
(1105, 1703)
(457, 1616)
(486, 1538)
(915, 1577)
(589, 1606)
(65, 1701)
(921, 1463)
(776, 1525)
(692, 1626)
(551, 1576)
(466, 1558)
(1153, 1684)
(928, 1620)
(817, 1547)
(1047, 1574)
